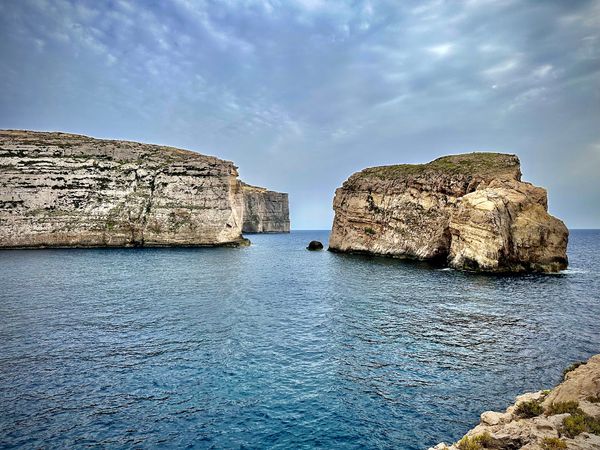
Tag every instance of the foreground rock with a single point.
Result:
(471, 211)
(567, 417)
(65, 190)
(265, 211)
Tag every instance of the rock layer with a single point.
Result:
(265, 211)
(65, 190)
(567, 416)
(471, 211)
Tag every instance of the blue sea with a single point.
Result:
(273, 346)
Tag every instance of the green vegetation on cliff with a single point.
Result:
(478, 163)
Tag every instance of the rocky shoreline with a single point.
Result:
(471, 211)
(566, 417)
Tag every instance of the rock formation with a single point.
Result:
(314, 245)
(471, 211)
(566, 417)
(265, 211)
(66, 190)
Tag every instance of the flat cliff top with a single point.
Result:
(74, 145)
(258, 189)
(484, 165)
(250, 188)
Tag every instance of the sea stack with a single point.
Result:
(471, 211)
(265, 211)
(67, 190)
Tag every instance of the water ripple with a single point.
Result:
(275, 347)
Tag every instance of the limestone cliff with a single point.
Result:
(471, 210)
(265, 211)
(63, 190)
(566, 417)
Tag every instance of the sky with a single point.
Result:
(302, 93)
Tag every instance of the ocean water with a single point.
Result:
(273, 346)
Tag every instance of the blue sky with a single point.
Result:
(302, 93)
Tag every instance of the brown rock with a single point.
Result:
(471, 211)
(580, 385)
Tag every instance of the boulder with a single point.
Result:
(315, 245)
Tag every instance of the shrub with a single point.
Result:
(573, 425)
(486, 440)
(579, 422)
(528, 409)
(370, 231)
(478, 442)
(468, 443)
(563, 407)
(592, 424)
(553, 444)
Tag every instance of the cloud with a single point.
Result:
(331, 85)
(441, 49)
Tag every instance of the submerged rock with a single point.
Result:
(471, 210)
(566, 417)
(67, 190)
(314, 245)
(265, 211)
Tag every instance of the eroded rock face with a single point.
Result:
(265, 211)
(577, 396)
(63, 190)
(470, 210)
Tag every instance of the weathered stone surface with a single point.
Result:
(506, 226)
(581, 385)
(265, 211)
(470, 210)
(64, 190)
(509, 431)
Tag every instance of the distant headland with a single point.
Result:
(67, 190)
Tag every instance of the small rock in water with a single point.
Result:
(315, 245)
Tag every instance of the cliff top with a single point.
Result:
(85, 145)
(486, 165)
(249, 188)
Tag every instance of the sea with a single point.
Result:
(276, 347)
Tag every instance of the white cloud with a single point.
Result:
(441, 50)
(502, 68)
(543, 71)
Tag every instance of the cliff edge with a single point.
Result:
(471, 211)
(265, 211)
(566, 417)
(67, 190)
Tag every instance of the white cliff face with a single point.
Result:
(470, 210)
(62, 190)
(265, 211)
